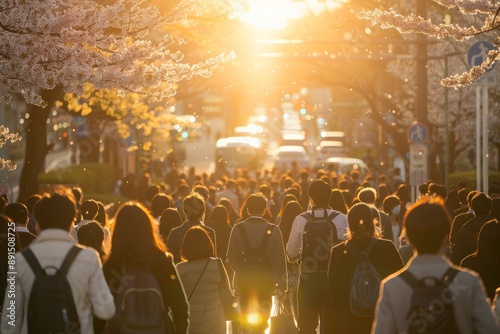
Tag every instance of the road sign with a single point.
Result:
(478, 53)
(418, 133)
(418, 164)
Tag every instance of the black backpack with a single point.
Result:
(318, 239)
(365, 282)
(254, 269)
(139, 305)
(431, 310)
(51, 307)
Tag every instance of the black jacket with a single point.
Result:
(466, 242)
(174, 243)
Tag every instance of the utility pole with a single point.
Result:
(422, 99)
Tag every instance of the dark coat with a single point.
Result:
(466, 242)
(457, 224)
(176, 236)
(384, 257)
(25, 238)
(489, 272)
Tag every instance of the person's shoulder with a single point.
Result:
(384, 243)
(340, 248)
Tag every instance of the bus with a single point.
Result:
(234, 152)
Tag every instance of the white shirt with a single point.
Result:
(88, 285)
(294, 245)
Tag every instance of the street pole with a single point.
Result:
(446, 129)
(478, 137)
(484, 132)
(422, 99)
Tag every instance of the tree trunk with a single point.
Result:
(36, 145)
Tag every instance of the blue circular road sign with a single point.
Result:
(418, 133)
(478, 53)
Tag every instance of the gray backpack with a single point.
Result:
(365, 282)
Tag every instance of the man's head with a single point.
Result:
(202, 190)
(160, 203)
(462, 196)
(193, 206)
(427, 225)
(367, 195)
(56, 210)
(319, 192)
(481, 204)
(17, 212)
(256, 204)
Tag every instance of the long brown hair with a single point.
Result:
(135, 237)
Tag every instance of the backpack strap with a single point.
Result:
(450, 274)
(355, 251)
(37, 268)
(70, 257)
(265, 239)
(199, 278)
(33, 262)
(409, 278)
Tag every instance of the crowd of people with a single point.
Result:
(340, 253)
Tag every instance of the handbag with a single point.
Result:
(282, 321)
(228, 300)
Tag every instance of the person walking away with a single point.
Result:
(486, 259)
(18, 213)
(256, 255)
(201, 276)
(88, 294)
(430, 279)
(137, 251)
(313, 234)
(345, 312)
(194, 210)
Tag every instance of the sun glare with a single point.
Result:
(274, 14)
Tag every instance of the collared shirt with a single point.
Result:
(89, 288)
(22, 229)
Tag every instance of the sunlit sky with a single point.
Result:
(273, 14)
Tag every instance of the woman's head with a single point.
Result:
(170, 218)
(134, 234)
(196, 245)
(218, 216)
(337, 201)
(286, 199)
(361, 224)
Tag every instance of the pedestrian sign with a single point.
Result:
(418, 164)
(478, 53)
(417, 133)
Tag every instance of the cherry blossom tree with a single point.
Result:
(52, 47)
(486, 19)
(7, 136)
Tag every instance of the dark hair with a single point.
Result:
(481, 204)
(256, 204)
(495, 208)
(403, 193)
(390, 202)
(150, 192)
(159, 203)
(102, 216)
(462, 195)
(423, 189)
(31, 201)
(470, 196)
(367, 195)
(427, 225)
(134, 237)
(292, 210)
(17, 212)
(487, 243)
(233, 215)
(170, 218)
(77, 194)
(452, 201)
(196, 245)
(437, 190)
(382, 193)
(202, 190)
(56, 210)
(337, 201)
(320, 191)
(218, 217)
(193, 206)
(361, 225)
(287, 198)
(91, 234)
(89, 209)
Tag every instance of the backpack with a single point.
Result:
(365, 282)
(431, 308)
(254, 268)
(51, 307)
(318, 239)
(139, 305)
